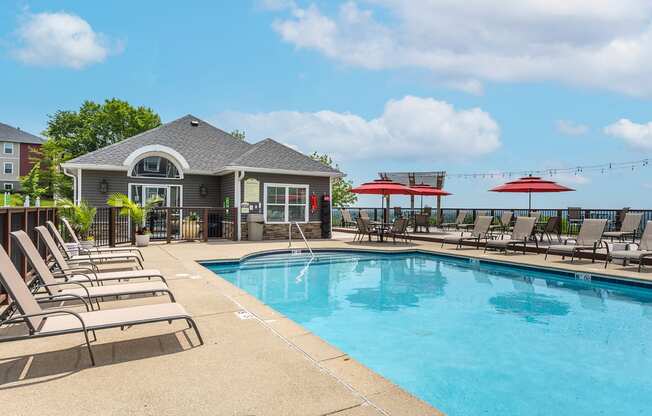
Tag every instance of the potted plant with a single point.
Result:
(191, 226)
(137, 213)
(81, 218)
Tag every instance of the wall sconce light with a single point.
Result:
(203, 191)
(104, 186)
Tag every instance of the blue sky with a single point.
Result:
(378, 84)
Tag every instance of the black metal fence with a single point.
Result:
(450, 214)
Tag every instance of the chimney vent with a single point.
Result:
(194, 123)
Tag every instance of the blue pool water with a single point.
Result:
(470, 338)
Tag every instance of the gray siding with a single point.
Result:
(227, 188)
(318, 185)
(119, 182)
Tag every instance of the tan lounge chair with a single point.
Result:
(479, 232)
(347, 221)
(503, 222)
(83, 274)
(520, 235)
(110, 257)
(98, 250)
(461, 217)
(643, 252)
(51, 285)
(51, 322)
(628, 228)
(589, 238)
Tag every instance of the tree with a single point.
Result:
(30, 184)
(238, 134)
(81, 217)
(342, 195)
(129, 208)
(74, 133)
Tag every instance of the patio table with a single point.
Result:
(382, 228)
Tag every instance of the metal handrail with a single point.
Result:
(302, 236)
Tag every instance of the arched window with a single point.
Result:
(155, 167)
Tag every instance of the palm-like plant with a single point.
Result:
(129, 208)
(80, 216)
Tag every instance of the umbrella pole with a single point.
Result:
(529, 204)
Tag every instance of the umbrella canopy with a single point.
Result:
(531, 184)
(427, 190)
(383, 187)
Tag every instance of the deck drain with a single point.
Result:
(244, 315)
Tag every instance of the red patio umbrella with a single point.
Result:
(531, 184)
(427, 190)
(384, 187)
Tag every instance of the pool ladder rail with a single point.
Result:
(312, 255)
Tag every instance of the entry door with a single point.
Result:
(160, 191)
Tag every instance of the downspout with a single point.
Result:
(239, 175)
(74, 183)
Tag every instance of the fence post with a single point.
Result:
(23, 261)
(112, 226)
(168, 225)
(205, 224)
(7, 237)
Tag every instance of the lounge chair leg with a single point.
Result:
(90, 350)
(169, 292)
(192, 323)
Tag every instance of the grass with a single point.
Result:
(16, 200)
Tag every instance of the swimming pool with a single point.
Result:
(470, 337)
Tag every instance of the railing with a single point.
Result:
(450, 214)
(27, 219)
(312, 255)
(169, 224)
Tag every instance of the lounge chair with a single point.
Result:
(589, 238)
(553, 226)
(363, 214)
(643, 251)
(503, 222)
(73, 273)
(51, 322)
(98, 250)
(461, 217)
(52, 286)
(628, 228)
(535, 214)
(479, 232)
(421, 220)
(520, 235)
(81, 258)
(398, 230)
(575, 218)
(347, 221)
(364, 229)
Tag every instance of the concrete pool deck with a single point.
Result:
(255, 363)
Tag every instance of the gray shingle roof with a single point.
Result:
(12, 134)
(207, 149)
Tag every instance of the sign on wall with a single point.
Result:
(251, 190)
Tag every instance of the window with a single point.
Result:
(9, 168)
(285, 203)
(8, 148)
(9, 186)
(155, 167)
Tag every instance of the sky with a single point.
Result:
(480, 86)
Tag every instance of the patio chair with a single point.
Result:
(73, 273)
(421, 220)
(364, 229)
(628, 228)
(472, 224)
(111, 257)
(553, 225)
(52, 322)
(427, 211)
(520, 235)
(461, 217)
(364, 214)
(398, 213)
(642, 252)
(589, 238)
(535, 214)
(347, 221)
(503, 222)
(98, 250)
(575, 218)
(54, 287)
(399, 230)
(479, 232)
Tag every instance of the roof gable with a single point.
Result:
(16, 135)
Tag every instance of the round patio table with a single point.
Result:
(381, 228)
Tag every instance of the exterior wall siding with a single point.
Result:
(227, 185)
(26, 152)
(14, 159)
(119, 182)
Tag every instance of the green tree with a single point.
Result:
(30, 184)
(51, 177)
(238, 134)
(342, 195)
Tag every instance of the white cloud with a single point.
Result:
(571, 128)
(595, 43)
(409, 128)
(638, 136)
(276, 4)
(565, 178)
(61, 39)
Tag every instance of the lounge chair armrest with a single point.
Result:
(64, 296)
(88, 295)
(22, 317)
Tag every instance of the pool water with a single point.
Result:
(470, 338)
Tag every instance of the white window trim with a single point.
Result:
(166, 156)
(4, 168)
(286, 205)
(158, 164)
(11, 186)
(159, 185)
(4, 149)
